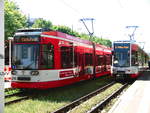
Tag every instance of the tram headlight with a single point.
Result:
(34, 72)
(13, 72)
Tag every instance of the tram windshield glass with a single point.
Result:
(121, 55)
(25, 56)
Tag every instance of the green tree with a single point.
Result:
(84, 36)
(66, 30)
(102, 41)
(14, 19)
(96, 39)
(41, 23)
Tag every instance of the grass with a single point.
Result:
(11, 91)
(12, 98)
(52, 99)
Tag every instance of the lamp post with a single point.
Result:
(1, 56)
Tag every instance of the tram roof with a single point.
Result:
(46, 31)
(33, 30)
(125, 41)
(134, 44)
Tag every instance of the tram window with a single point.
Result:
(47, 56)
(88, 59)
(75, 58)
(134, 58)
(102, 59)
(24, 52)
(66, 57)
(108, 59)
(98, 60)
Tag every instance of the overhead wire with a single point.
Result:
(71, 7)
(77, 12)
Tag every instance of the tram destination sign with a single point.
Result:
(28, 38)
(122, 46)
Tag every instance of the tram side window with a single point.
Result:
(47, 56)
(134, 58)
(98, 60)
(146, 60)
(143, 58)
(102, 59)
(66, 57)
(76, 54)
(108, 59)
(88, 59)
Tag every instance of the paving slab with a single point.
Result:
(136, 99)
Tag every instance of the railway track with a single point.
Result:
(16, 100)
(21, 96)
(11, 90)
(13, 94)
(8, 89)
(102, 104)
(82, 99)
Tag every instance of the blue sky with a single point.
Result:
(111, 16)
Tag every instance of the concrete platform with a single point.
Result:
(136, 99)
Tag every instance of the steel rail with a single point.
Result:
(16, 100)
(102, 104)
(14, 94)
(82, 99)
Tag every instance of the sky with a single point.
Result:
(110, 16)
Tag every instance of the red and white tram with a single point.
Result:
(46, 59)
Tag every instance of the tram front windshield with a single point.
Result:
(121, 59)
(25, 56)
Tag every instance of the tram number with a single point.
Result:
(63, 74)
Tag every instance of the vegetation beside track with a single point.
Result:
(50, 100)
(10, 91)
(86, 106)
